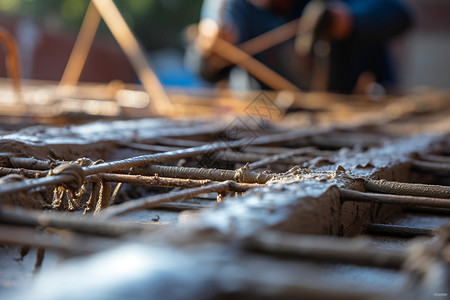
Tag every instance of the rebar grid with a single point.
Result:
(177, 174)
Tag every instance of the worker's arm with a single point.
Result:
(231, 25)
(375, 21)
(210, 64)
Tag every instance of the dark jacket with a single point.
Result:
(375, 23)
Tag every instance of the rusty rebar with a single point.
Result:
(13, 66)
(159, 181)
(240, 157)
(285, 138)
(337, 140)
(398, 230)
(278, 157)
(81, 224)
(154, 201)
(275, 141)
(434, 167)
(143, 160)
(32, 163)
(26, 185)
(349, 195)
(325, 249)
(411, 189)
(435, 158)
(70, 175)
(28, 173)
(59, 179)
(261, 288)
(146, 147)
(180, 206)
(427, 210)
(243, 175)
(115, 193)
(310, 150)
(13, 235)
(267, 150)
(173, 142)
(148, 180)
(231, 156)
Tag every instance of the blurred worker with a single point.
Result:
(349, 35)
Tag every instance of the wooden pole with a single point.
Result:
(12, 61)
(80, 51)
(208, 29)
(161, 103)
(269, 39)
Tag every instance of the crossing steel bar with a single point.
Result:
(349, 195)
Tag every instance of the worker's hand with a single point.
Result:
(208, 34)
(341, 21)
(323, 21)
(330, 20)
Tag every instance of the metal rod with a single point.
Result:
(174, 142)
(262, 288)
(412, 189)
(269, 39)
(435, 158)
(428, 210)
(161, 102)
(239, 57)
(341, 250)
(27, 173)
(184, 206)
(145, 147)
(32, 163)
(13, 235)
(434, 167)
(161, 181)
(113, 166)
(241, 157)
(253, 66)
(190, 152)
(269, 150)
(286, 137)
(115, 193)
(154, 158)
(253, 153)
(278, 157)
(237, 156)
(82, 224)
(148, 180)
(80, 51)
(242, 175)
(26, 185)
(349, 195)
(309, 151)
(398, 230)
(154, 201)
(12, 61)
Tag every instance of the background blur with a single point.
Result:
(46, 31)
